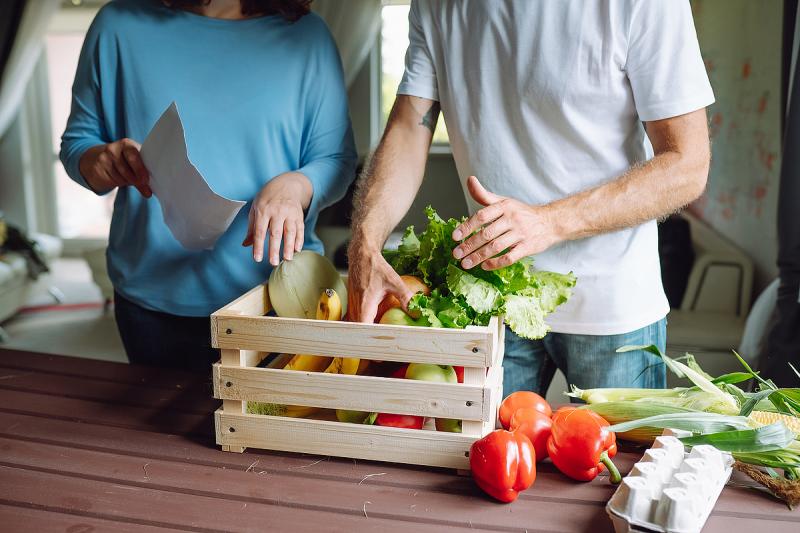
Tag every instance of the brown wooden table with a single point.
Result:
(96, 446)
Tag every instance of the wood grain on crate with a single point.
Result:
(358, 393)
(378, 342)
(322, 437)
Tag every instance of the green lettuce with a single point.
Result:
(461, 297)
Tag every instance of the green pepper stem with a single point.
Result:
(613, 473)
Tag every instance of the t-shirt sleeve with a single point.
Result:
(419, 78)
(664, 65)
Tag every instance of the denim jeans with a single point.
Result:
(161, 339)
(587, 361)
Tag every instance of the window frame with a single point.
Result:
(436, 148)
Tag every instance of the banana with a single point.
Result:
(308, 363)
(329, 306)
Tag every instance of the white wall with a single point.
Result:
(741, 45)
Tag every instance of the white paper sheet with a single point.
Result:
(194, 213)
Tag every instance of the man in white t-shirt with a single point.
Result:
(586, 121)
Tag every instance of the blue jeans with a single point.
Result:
(587, 361)
(160, 339)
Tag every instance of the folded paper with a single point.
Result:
(193, 212)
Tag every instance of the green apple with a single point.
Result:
(353, 417)
(448, 424)
(398, 317)
(440, 374)
(428, 372)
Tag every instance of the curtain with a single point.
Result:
(783, 344)
(21, 40)
(354, 25)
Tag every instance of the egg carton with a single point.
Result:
(670, 490)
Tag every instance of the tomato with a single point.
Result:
(536, 426)
(399, 372)
(459, 373)
(519, 400)
(400, 421)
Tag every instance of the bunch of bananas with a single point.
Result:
(329, 307)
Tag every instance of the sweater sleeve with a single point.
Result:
(328, 156)
(86, 124)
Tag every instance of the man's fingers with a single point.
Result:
(258, 237)
(480, 194)
(512, 256)
(487, 215)
(275, 233)
(486, 234)
(491, 249)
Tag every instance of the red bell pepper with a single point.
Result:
(520, 400)
(503, 464)
(536, 426)
(459, 373)
(400, 421)
(580, 444)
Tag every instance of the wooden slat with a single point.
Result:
(322, 437)
(360, 393)
(254, 302)
(12, 361)
(193, 398)
(15, 518)
(369, 341)
(165, 508)
(108, 413)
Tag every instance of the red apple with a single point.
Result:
(413, 283)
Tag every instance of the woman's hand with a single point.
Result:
(116, 164)
(504, 224)
(277, 211)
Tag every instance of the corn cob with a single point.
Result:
(763, 418)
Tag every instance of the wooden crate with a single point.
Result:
(244, 336)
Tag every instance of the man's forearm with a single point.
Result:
(672, 179)
(393, 175)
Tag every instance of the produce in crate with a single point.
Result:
(329, 306)
(413, 283)
(295, 286)
(459, 297)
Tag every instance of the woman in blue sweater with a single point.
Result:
(261, 94)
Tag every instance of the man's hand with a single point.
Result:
(504, 226)
(370, 280)
(116, 164)
(277, 210)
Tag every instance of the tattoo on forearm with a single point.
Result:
(430, 118)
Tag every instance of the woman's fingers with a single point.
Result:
(259, 236)
(275, 234)
(289, 236)
(140, 173)
(300, 239)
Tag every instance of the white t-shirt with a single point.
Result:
(545, 98)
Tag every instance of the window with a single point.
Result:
(81, 213)
(394, 42)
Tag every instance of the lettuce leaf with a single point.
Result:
(462, 297)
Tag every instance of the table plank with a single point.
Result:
(16, 518)
(171, 509)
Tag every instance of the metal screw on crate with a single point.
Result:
(475, 349)
(228, 384)
(229, 331)
(232, 430)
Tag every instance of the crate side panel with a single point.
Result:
(348, 339)
(358, 393)
(320, 437)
